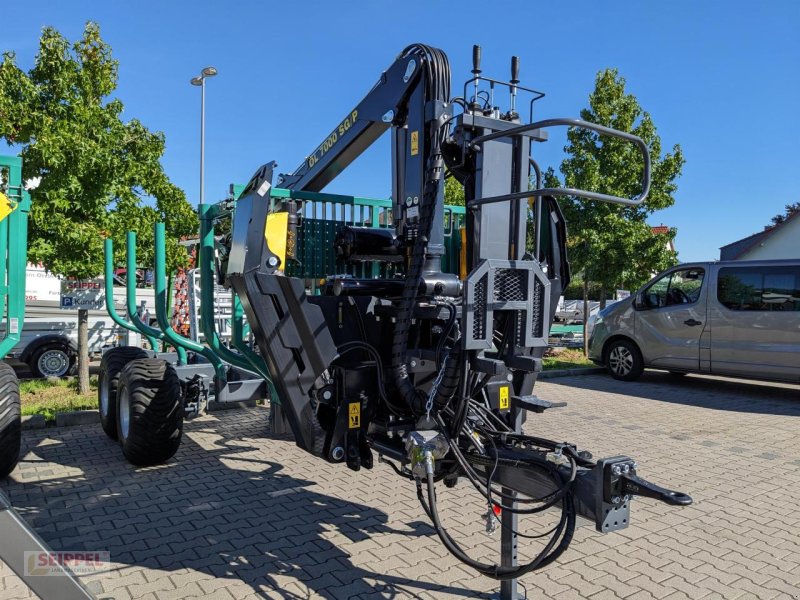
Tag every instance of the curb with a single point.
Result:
(33, 422)
(78, 417)
(90, 417)
(217, 406)
(571, 372)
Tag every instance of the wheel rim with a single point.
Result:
(123, 404)
(104, 395)
(620, 359)
(53, 363)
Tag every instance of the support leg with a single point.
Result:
(509, 522)
(277, 421)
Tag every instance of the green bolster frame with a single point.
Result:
(181, 343)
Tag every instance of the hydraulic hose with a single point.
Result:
(564, 530)
(437, 88)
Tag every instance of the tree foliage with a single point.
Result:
(453, 192)
(790, 209)
(613, 244)
(98, 172)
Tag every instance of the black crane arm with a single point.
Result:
(384, 105)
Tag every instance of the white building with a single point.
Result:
(776, 242)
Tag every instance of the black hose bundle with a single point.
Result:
(562, 534)
(436, 77)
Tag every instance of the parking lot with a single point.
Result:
(240, 513)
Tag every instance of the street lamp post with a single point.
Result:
(200, 81)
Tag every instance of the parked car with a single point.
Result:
(735, 318)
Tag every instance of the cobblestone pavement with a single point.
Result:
(239, 513)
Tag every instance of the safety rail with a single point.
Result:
(564, 191)
(320, 217)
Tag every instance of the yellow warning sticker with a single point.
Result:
(6, 208)
(504, 397)
(355, 415)
(414, 143)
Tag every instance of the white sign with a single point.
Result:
(622, 294)
(82, 293)
(40, 285)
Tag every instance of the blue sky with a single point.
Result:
(722, 79)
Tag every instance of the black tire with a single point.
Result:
(623, 360)
(111, 365)
(54, 359)
(149, 396)
(10, 420)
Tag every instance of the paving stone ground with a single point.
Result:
(241, 513)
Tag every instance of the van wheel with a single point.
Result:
(52, 360)
(149, 411)
(624, 361)
(111, 365)
(10, 420)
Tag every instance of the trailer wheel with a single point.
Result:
(52, 360)
(10, 420)
(111, 365)
(149, 411)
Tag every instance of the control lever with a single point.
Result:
(476, 71)
(633, 484)
(514, 82)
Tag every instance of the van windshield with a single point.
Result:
(678, 287)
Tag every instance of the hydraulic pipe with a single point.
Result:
(108, 251)
(173, 337)
(205, 262)
(257, 363)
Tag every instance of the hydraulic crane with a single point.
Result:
(432, 371)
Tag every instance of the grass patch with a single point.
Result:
(565, 358)
(50, 396)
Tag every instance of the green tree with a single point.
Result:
(790, 210)
(612, 244)
(453, 192)
(100, 175)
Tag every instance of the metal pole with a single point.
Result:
(510, 524)
(202, 137)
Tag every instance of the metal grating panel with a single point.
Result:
(510, 285)
(538, 315)
(480, 308)
(517, 287)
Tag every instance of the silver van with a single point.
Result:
(735, 318)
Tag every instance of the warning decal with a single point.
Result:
(354, 422)
(503, 397)
(6, 208)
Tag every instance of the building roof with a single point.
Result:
(739, 248)
(660, 229)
